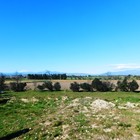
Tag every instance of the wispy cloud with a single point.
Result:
(125, 66)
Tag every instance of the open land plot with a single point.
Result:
(65, 84)
(71, 116)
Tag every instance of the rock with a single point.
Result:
(34, 99)
(122, 107)
(25, 100)
(64, 98)
(101, 104)
(107, 130)
(94, 126)
(130, 105)
(29, 100)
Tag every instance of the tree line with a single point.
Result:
(104, 86)
(96, 85)
(47, 76)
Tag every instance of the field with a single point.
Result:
(65, 84)
(66, 115)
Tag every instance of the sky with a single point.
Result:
(84, 36)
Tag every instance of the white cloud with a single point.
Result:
(125, 66)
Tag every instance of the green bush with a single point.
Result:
(2, 83)
(57, 86)
(133, 85)
(86, 87)
(101, 86)
(127, 86)
(123, 85)
(48, 85)
(17, 86)
(75, 87)
(40, 87)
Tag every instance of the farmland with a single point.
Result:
(70, 115)
(65, 84)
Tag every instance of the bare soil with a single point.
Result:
(65, 84)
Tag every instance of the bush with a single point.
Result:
(48, 85)
(86, 86)
(17, 86)
(57, 86)
(107, 86)
(133, 85)
(75, 87)
(40, 87)
(123, 86)
(102, 86)
(97, 84)
(2, 83)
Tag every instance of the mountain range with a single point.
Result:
(124, 72)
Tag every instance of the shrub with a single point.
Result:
(2, 83)
(40, 87)
(75, 87)
(107, 86)
(48, 85)
(123, 85)
(17, 86)
(86, 86)
(133, 85)
(57, 86)
(127, 86)
(102, 86)
(97, 84)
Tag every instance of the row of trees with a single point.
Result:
(50, 86)
(47, 76)
(127, 86)
(98, 85)
(15, 86)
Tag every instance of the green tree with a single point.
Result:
(40, 87)
(107, 86)
(97, 84)
(57, 86)
(133, 85)
(17, 87)
(75, 87)
(2, 83)
(102, 86)
(86, 86)
(123, 86)
(48, 85)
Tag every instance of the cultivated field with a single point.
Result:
(70, 116)
(65, 84)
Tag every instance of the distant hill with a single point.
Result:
(125, 72)
(26, 73)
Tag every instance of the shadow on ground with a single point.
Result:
(15, 134)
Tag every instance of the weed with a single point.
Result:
(138, 127)
(124, 125)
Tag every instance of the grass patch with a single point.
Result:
(49, 116)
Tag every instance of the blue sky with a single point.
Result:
(85, 36)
